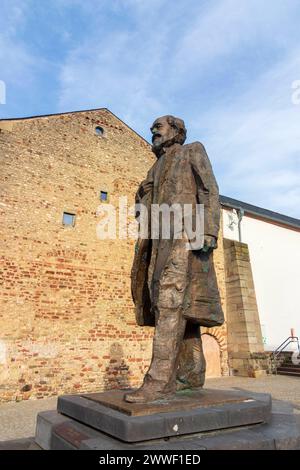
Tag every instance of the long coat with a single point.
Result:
(182, 175)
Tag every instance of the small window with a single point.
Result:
(68, 219)
(104, 196)
(99, 131)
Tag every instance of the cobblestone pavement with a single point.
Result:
(17, 420)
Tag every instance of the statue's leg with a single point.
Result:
(168, 291)
(191, 362)
(160, 380)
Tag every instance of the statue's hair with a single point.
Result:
(179, 125)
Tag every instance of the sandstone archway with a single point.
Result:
(212, 355)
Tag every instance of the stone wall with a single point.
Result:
(220, 333)
(67, 321)
(245, 343)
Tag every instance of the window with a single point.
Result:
(99, 131)
(68, 219)
(104, 196)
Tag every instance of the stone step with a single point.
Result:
(290, 364)
(189, 411)
(288, 361)
(291, 368)
(288, 372)
(286, 364)
(191, 420)
(282, 432)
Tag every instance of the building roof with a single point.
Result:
(75, 112)
(260, 212)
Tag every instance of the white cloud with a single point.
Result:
(226, 67)
(251, 130)
(255, 140)
(220, 28)
(118, 69)
(17, 63)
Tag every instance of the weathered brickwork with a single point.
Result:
(66, 316)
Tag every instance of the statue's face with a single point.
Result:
(162, 133)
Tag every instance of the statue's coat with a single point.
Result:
(182, 175)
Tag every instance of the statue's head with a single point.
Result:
(166, 131)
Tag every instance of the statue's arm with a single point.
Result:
(207, 189)
(145, 187)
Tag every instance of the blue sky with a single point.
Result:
(225, 66)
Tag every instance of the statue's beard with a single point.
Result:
(159, 147)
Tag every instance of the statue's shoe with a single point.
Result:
(190, 380)
(146, 395)
(188, 384)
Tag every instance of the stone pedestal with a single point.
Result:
(192, 420)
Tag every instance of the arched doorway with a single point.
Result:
(211, 350)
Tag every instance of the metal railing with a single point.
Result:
(281, 348)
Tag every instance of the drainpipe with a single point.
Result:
(240, 214)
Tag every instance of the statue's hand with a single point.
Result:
(210, 243)
(145, 188)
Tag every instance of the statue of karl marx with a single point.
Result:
(175, 288)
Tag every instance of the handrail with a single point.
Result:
(282, 346)
(285, 343)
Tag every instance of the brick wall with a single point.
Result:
(66, 317)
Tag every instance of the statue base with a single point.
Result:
(192, 419)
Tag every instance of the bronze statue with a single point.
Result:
(174, 288)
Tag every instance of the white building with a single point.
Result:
(274, 246)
